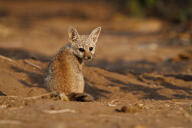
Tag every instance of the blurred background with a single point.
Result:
(171, 10)
(132, 30)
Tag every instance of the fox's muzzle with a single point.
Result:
(88, 57)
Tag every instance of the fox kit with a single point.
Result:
(65, 70)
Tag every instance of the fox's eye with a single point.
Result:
(91, 48)
(81, 50)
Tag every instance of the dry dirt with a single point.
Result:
(141, 75)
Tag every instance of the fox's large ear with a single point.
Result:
(73, 34)
(95, 34)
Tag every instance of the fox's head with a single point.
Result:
(83, 46)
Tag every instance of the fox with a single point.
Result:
(65, 69)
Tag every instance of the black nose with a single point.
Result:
(89, 57)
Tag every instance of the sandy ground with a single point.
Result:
(141, 76)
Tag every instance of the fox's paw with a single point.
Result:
(83, 97)
(59, 96)
(63, 97)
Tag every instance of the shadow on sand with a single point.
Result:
(136, 68)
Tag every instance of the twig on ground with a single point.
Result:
(32, 64)
(42, 96)
(113, 103)
(59, 111)
(7, 58)
(183, 103)
(10, 96)
(51, 94)
(10, 122)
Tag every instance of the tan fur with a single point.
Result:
(65, 70)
